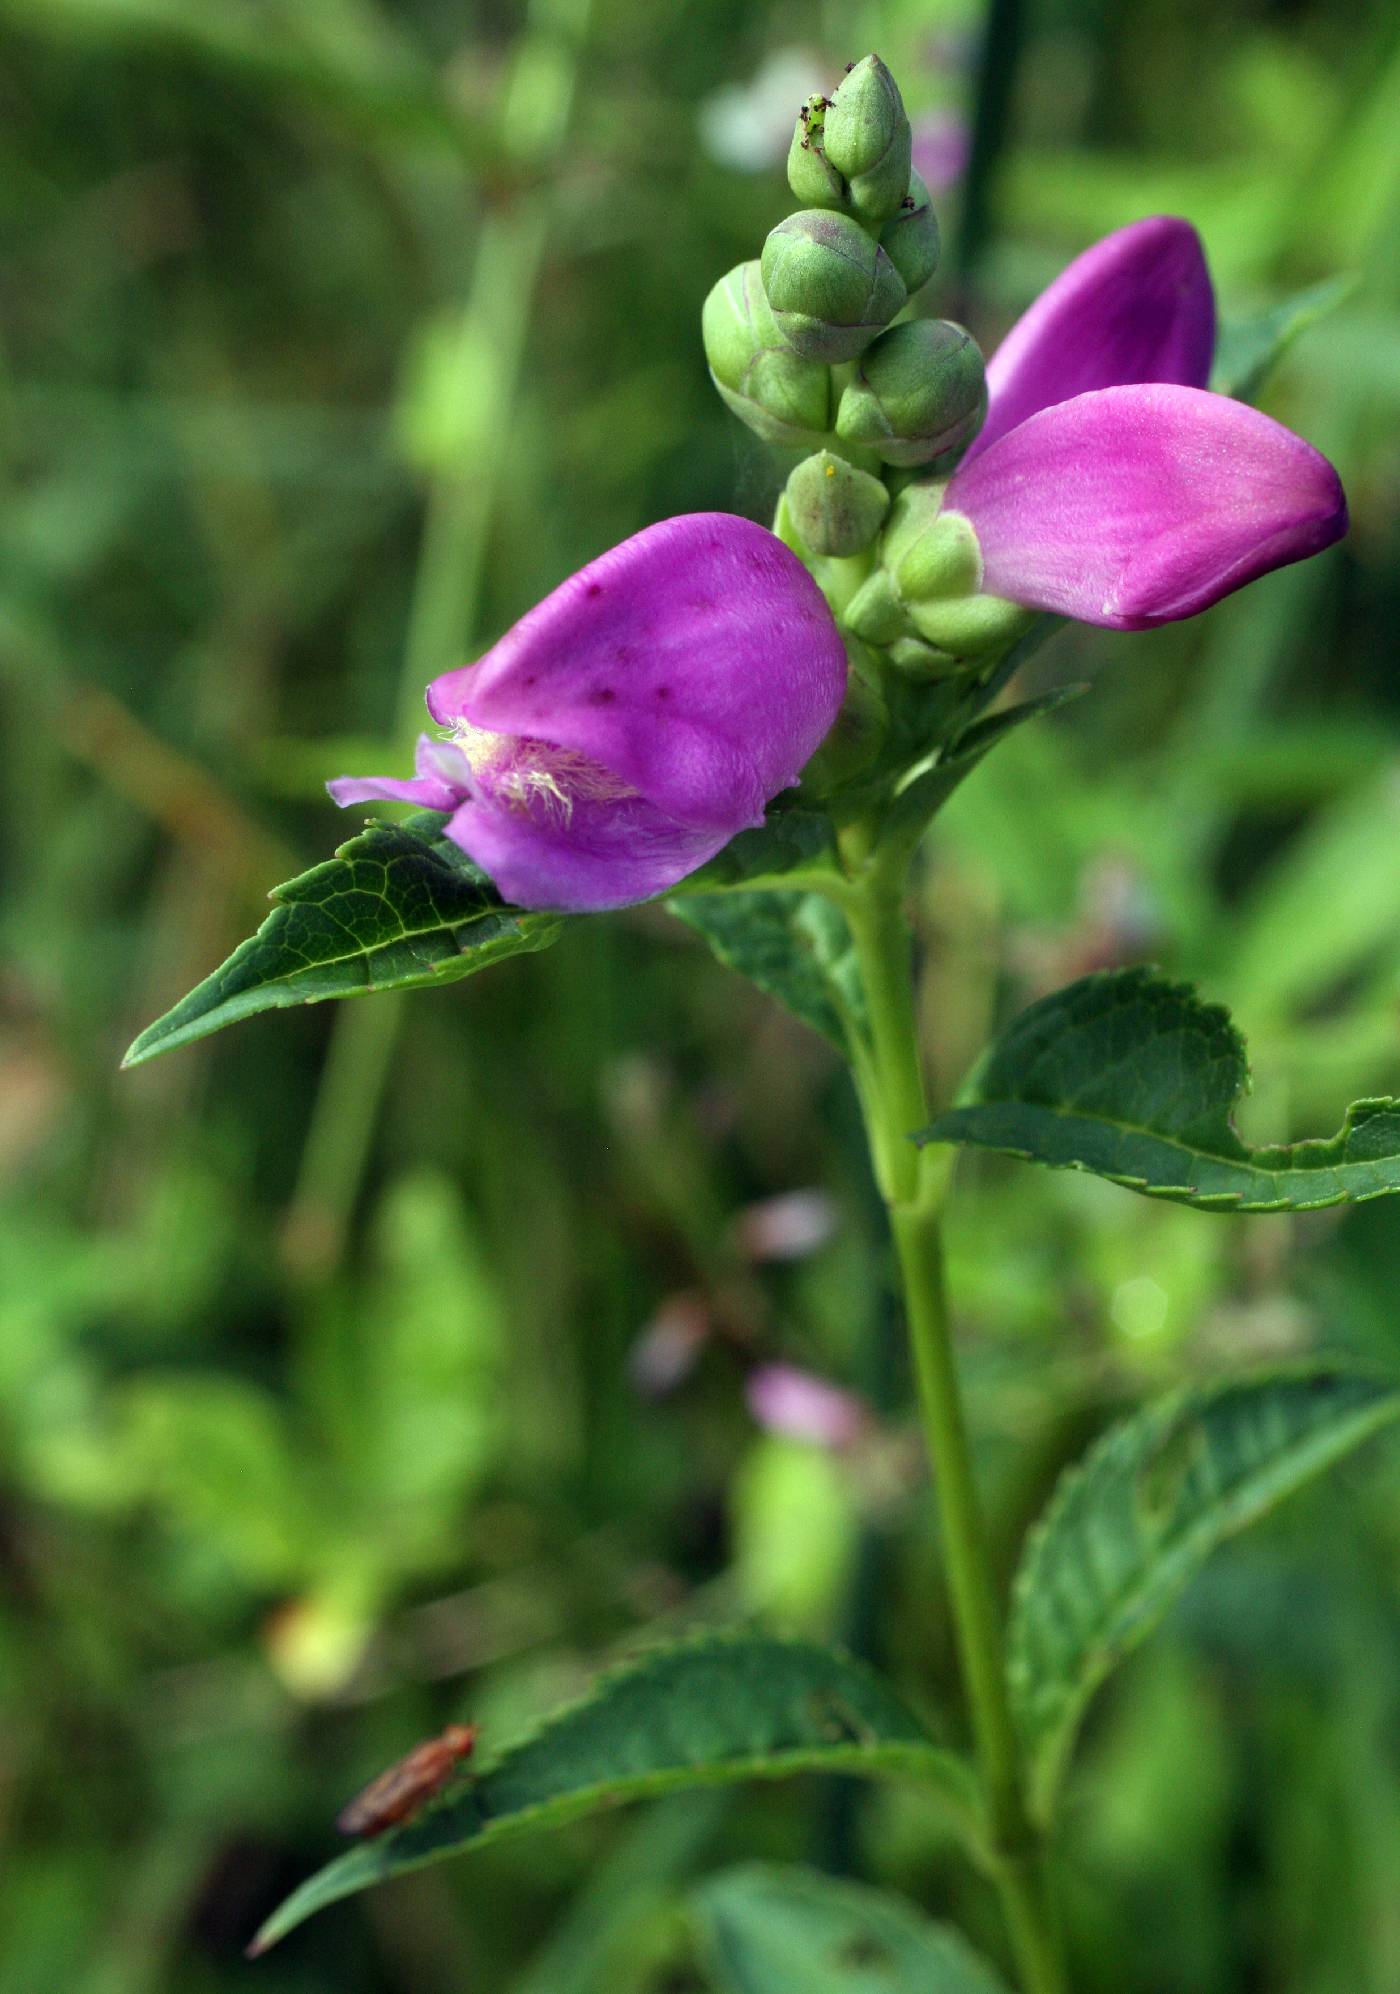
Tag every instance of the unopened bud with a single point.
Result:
(934, 564)
(911, 240)
(835, 508)
(970, 626)
(784, 398)
(929, 553)
(868, 141)
(811, 175)
(920, 394)
(875, 612)
(831, 288)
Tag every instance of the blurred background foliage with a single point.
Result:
(372, 1366)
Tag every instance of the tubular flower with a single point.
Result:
(635, 720)
(1107, 483)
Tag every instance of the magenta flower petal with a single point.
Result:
(438, 784)
(1138, 306)
(599, 855)
(698, 662)
(636, 720)
(1141, 505)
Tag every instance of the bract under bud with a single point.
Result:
(811, 175)
(830, 286)
(920, 394)
(782, 397)
(836, 509)
(868, 141)
(911, 240)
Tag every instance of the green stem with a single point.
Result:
(913, 1183)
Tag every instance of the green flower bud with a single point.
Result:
(781, 396)
(868, 141)
(929, 554)
(831, 288)
(875, 612)
(911, 240)
(835, 508)
(970, 625)
(920, 394)
(811, 175)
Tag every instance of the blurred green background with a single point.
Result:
(373, 1366)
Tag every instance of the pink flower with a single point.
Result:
(635, 720)
(1107, 483)
(802, 1406)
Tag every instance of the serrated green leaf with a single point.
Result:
(766, 1930)
(1249, 349)
(399, 907)
(1129, 1526)
(1134, 1078)
(701, 1713)
(794, 946)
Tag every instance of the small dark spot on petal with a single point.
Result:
(532, 678)
(663, 692)
(594, 588)
(603, 695)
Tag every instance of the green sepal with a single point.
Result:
(911, 237)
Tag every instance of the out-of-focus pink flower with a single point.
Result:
(664, 1355)
(942, 145)
(788, 1227)
(801, 1406)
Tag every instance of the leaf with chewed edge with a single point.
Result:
(1133, 1078)
(1131, 1524)
(700, 1713)
(399, 907)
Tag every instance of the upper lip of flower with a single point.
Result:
(1108, 484)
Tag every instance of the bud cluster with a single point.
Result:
(804, 347)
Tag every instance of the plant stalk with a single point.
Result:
(913, 1183)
